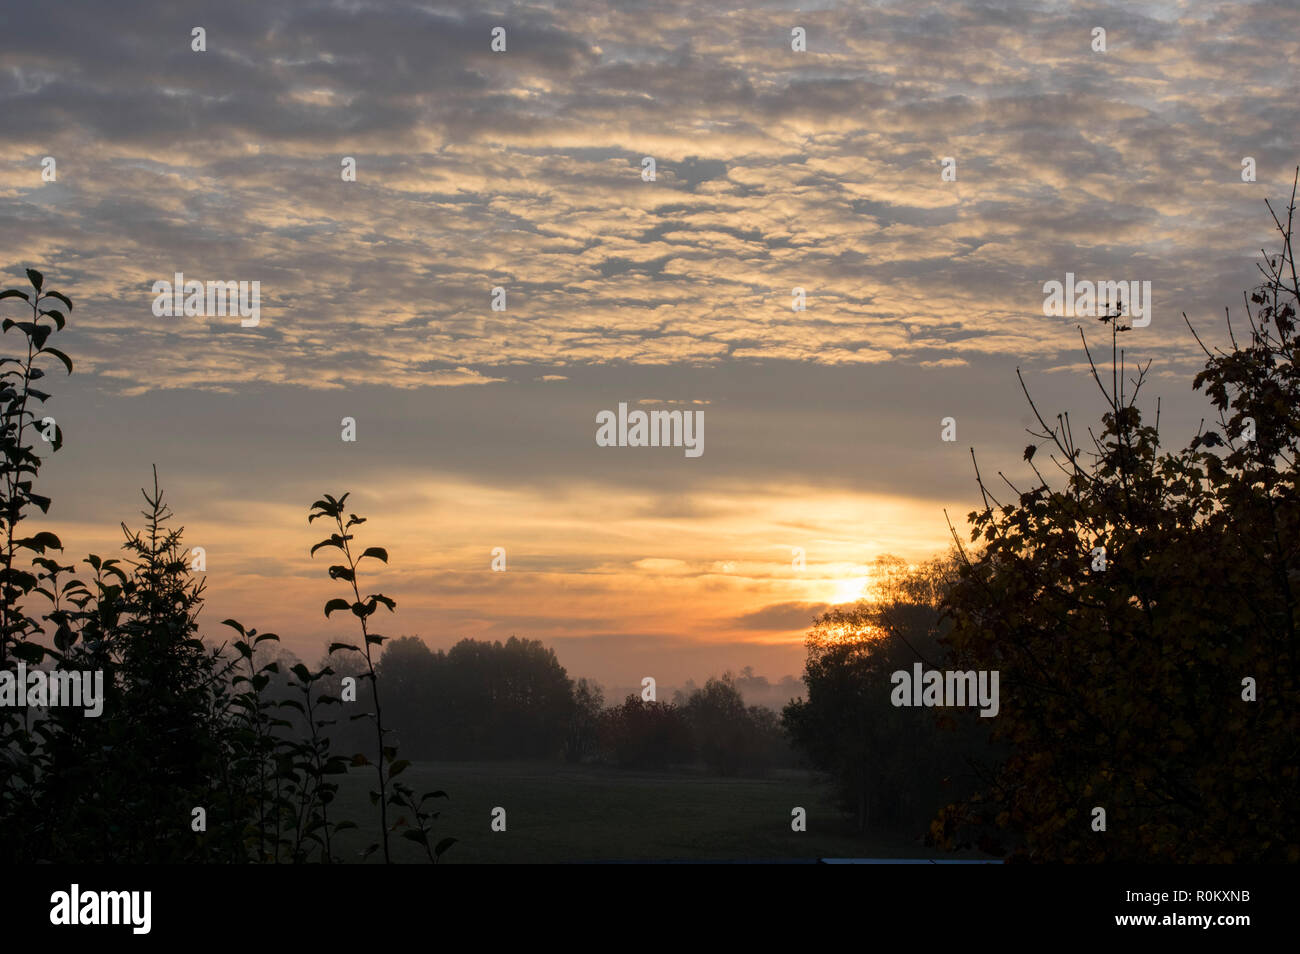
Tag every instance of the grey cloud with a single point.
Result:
(783, 616)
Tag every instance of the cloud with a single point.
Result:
(783, 617)
(522, 169)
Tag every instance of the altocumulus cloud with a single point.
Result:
(521, 170)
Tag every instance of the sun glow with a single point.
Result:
(850, 590)
(836, 633)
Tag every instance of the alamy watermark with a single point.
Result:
(60, 687)
(946, 688)
(194, 298)
(683, 429)
(74, 907)
(1087, 299)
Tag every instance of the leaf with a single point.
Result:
(398, 767)
(28, 652)
(233, 624)
(36, 278)
(61, 356)
(379, 553)
(443, 846)
(416, 835)
(14, 293)
(327, 509)
(336, 604)
(57, 316)
(334, 646)
(60, 296)
(41, 542)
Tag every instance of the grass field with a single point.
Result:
(563, 813)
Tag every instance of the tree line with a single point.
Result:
(494, 700)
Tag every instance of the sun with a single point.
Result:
(850, 590)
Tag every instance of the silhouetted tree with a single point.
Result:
(891, 765)
(196, 753)
(1126, 676)
(494, 700)
(640, 734)
(730, 737)
(583, 739)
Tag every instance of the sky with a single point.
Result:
(775, 169)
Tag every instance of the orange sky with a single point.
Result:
(612, 595)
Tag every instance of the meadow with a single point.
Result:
(567, 813)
